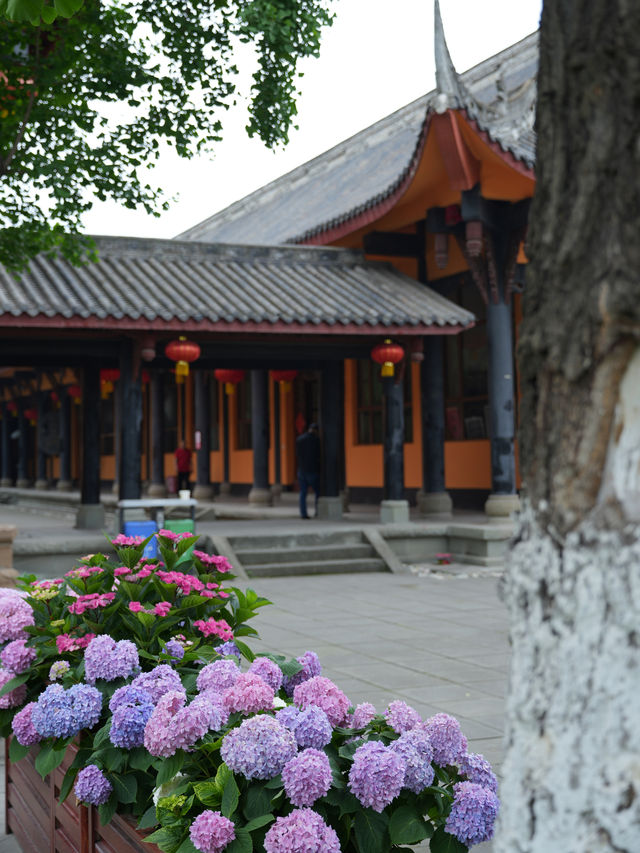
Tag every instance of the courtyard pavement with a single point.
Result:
(436, 638)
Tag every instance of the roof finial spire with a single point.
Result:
(447, 82)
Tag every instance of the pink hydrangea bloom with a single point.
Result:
(92, 601)
(211, 832)
(23, 728)
(401, 717)
(221, 564)
(83, 572)
(15, 615)
(173, 726)
(185, 583)
(302, 831)
(211, 628)
(268, 671)
(121, 570)
(249, 694)
(325, 694)
(174, 537)
(17, 656)
(15, 697)
(135, 607)
(162, 608)
(218, 676)
(362, 716)
(127, 541)
(307, 777)
(69, 643)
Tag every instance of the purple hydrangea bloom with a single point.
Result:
(173, 726)
(415, 747)
(377, 775)
(158, 681)
(259, 748)
(477, 769)
(310, 667)
(58, 670)
(362, 716)
(211, 832)
(14, 697)
(307, 777)
(17, 656)
(218, 713)
(218, 676)
(229, 648)
(175, 649)
(15, 615)
(288, 716)
(302, 831)
(268, 671)
(22, 726)
(86, 705)
(51, 715)
(249, 694)
(312, 729)
(131, 709)
(446, 738)
(401, 717)
(108, 660)
(323, 692)
(92, 786)
(473, 813)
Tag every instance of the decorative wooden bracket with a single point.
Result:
(476, 267)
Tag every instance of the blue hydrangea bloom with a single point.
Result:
(108, 660)
(229, 648)
(158, 681)
(415, 747)
(446, 738)
(307, 777)
(86, 705)
(131, 709)
(473, 813)
(268, 671)
(259, 748)
(312, 728)
(52, 715)
(175, 649)
(288, 716)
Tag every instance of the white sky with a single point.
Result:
(377, 57)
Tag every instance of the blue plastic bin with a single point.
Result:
(144, 529)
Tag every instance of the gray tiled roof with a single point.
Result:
(215, 284)
(364, 169)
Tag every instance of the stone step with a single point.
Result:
(295, 539)
(317, 567)
(303, 554)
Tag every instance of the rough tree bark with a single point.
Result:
(572, 769)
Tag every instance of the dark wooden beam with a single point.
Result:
(392, 244)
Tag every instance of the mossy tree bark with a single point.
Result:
(572, 770)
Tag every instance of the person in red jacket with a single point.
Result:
(183, 465)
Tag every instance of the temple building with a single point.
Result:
(410, 232)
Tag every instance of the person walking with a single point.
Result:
(183, 466)
(308, 455)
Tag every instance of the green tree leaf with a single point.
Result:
(230, 796)
(256, 802)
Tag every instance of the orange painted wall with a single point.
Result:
(467, 464)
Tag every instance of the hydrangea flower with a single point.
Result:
(22, 726)
(17, 656)
(69, 643)
(211, 832)
(473, 813)
(446, 738)
(219, 676)
(310, 667)
(415, 747)
(362, 716)
(288, 716)
(248, 694)
(16, 696)
(268, 671)
(477, 769)
(158, 681)
(213, 628)
(175, 649)
(92, 786)
(108, 660)
(58, 670)
(86, 705)
(219, 714)
(307, 777)
(302, 831)
(173, 726)
(401, 717)
(15, 615)
(92, 601)
(322, 692)
(221, 564)
(131, 707)
(311, 728)
(62, 713)
(259, 748)
(127, 541)
(377, 775)
(229, 648)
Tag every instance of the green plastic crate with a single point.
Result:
(179, 525)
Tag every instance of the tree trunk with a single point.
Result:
(572, 769)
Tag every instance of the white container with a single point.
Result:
(184, 494)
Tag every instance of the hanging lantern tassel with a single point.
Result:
(284, 377)
(388, 355)
(182, 352)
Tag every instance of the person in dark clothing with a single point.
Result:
(183, 465)
(308, 455)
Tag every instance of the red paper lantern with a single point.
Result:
(284, 377)
(146, 377)
(182, 352)
(387, 354)
(75, 392)
(31, 415)
(12, 407)
(108, 376)
(230, 378)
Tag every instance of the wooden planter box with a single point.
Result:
(42, 825)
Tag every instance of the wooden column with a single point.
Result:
(158, 488)
(91, 512)
(131, 423)
(5, 449)
(331, 418)
(225, 485)
(42, 481)
(276, 486)
(433, 499)
(64, 413)
(22, 480)
(394, 507)
(260, 492)
(203, 489)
